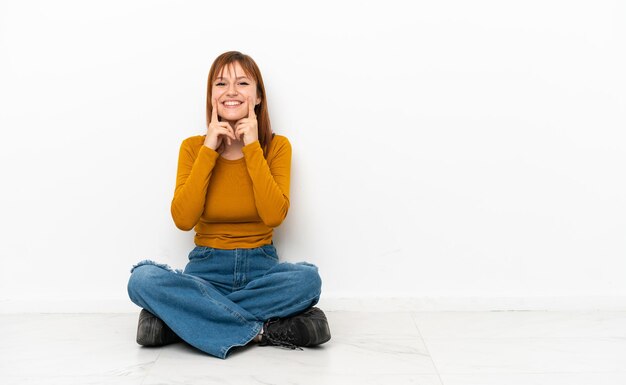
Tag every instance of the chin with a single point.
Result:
(233, 117)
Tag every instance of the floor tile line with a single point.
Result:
(426, 347)
(156, 359)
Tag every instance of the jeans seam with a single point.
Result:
(304, 301)
(203, 258)
(255, 330)
(206, 294)
(312, 298)
(272, 257)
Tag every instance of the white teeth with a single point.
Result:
(232, 103)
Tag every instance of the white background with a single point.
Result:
(454, 153)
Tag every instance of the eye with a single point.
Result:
(244, 83)
(219, 83)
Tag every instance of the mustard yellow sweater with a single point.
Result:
(231, 203)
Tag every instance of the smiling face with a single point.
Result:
(231, 88)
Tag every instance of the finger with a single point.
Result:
(232, 131)
(229, 129)
(226, 136)
(241, 130)
(214, 112)
(251, 113)
(236, 133)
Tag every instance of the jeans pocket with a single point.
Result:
(269, 251)
(200, 253)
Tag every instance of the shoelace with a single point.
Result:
(279, 342)
(282, 338)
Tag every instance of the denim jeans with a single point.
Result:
(223, 297)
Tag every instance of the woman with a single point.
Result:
(232, 187)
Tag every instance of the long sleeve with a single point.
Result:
(270, 179)
(192, 181)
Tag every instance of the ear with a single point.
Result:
(258, 101)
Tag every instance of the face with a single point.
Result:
(231, 88)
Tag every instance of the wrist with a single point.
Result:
(250, 143)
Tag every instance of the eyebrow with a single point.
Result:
(239, 77)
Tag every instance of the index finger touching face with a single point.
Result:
(251, 113)
(214, 112)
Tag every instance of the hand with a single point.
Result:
(248, 127)
(217, 130)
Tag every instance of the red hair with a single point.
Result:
(252, 71)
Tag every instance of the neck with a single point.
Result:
(231, 122)
(234, 144)
(234, 147)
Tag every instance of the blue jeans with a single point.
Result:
(223, 297)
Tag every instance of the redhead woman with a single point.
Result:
(232, 188)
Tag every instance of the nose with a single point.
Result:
(231, 90)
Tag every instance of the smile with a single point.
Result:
(232, 103)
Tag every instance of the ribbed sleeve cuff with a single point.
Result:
(250, 148)
(208, 153)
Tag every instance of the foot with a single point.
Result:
(309, 328)
(151, 331)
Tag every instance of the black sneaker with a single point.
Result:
(152, 331)
(309, 328)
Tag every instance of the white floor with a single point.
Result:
(450, 348)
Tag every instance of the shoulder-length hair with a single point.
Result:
(252, 71)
